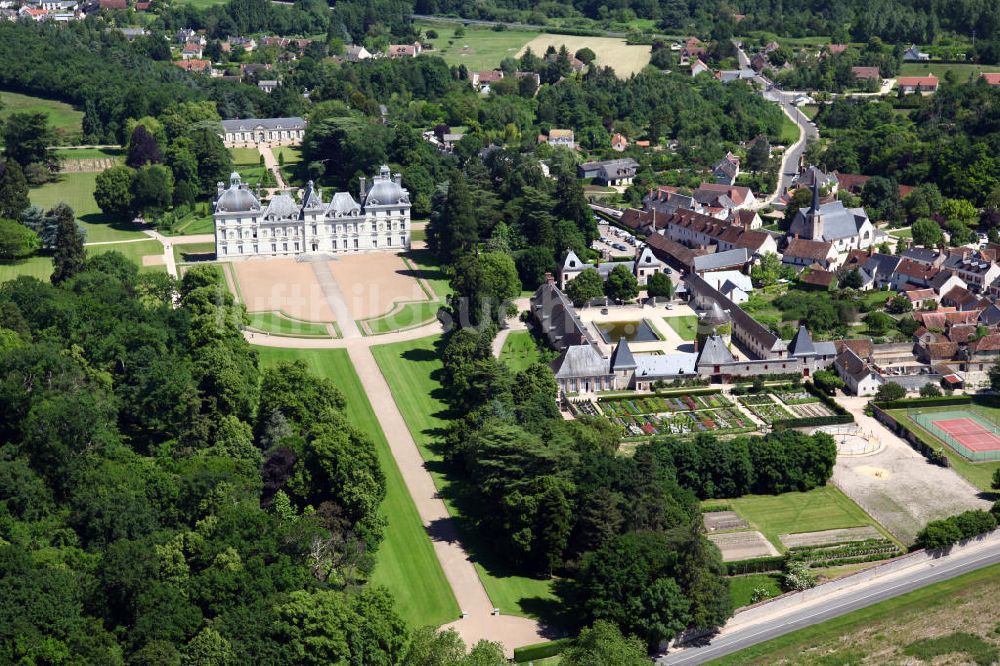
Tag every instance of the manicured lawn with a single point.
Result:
(66, 120)
(741, 587)
(875, 298)
(824, 508)
(519, 350)
(291, 154)
(686, 326)
(241, 156)
(408, 315)
(278, 324)
(962, 70)
(901, 233)
(418, 235)
(134, 252)
(479, 48)
(431, 271)
(965, 603)
(406, 562)
(77, 190)
(978, 474)
(197, 224)
(90, 153)
(192, 251)
(39, 267)
(411, 370)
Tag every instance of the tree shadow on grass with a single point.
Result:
(107, 221)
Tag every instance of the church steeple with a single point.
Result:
(815, 217)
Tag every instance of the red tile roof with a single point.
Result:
(819, 278)
(992, 78)
(113, 4)
(914, 269)
(942, 350)
(863, 347)
(800, 248)
(918, 81)
(987, 343)
(865, 72)
(836, 49)
(738, 193)
(194, 65)
(713, 228)
(917, 295)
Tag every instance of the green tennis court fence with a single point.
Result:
(926, 416)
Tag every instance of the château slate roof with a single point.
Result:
(250, 124)
(621, 358)
(714, 352)
(580, 361)
(802, 344)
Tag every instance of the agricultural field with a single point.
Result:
(406, 562)
(519, 350)
(480, 48)
(67, 121)
(820, 509)
(952, 622)
(611, 52)
(686, 327)
(410, 368)
(77, 190)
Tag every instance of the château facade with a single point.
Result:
(246, 227)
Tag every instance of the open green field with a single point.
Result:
(291, 154)
(479, 49)
(962, 71)
(77, 190)
(686, 327)
(277, 323)
(824, 508)
(406, 562)
(411, 370)
(901, 233)
(134, 251)
(897, 630)
(39, 267)
(199, 4)
(978, 474)
(67, 121)
(741, 587)
(519, 350)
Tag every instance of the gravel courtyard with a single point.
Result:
(897, 485)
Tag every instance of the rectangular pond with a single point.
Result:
(633, 331)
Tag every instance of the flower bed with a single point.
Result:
(661, 404)
(768, 411)
(721, 420)
(797, 397)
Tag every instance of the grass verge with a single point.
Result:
(686, 326)
(741, 588)
(277, 323)
(887, 628)
(406, 562)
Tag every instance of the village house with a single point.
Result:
(802, 252)
(698, 66)
(812, 177)
(667, 199)
(404, 50)
(737, 259)
(914, 54)
(245, 227)
(748, 219)
(733, 284)
(730, 197)
(727, 169)
(924, 85)
(692, 50)
(558, 137)
(915, 273)
(618, 142)
(945, 281)
(191, 50)
(857, 373)
(356, 53)
(866, 73)
(609, 172)
(194, 65)
(267, 85)
(977, 269)
(481, 81)
(644, 266)
(927, 256)
(991, 78)
(698, 230)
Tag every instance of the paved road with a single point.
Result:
(862, 595)
(807, 130)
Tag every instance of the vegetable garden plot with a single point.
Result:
(724, 419)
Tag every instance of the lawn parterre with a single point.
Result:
(824, 508)
(277, 323)
(411, 368)
(890, 629)
(37, 267)
(133, 251)
(406, 562)
(686, 327)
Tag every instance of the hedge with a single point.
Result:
(941, 401)
(541, 650)
(757, 565)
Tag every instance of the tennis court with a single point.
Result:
(974, 435)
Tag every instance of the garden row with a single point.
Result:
(661, 404)
(722, 420)
(848, 552)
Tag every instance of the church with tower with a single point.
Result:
(832, 222)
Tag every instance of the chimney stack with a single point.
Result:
(549, 279)
(362, 185)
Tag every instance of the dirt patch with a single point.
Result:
(154, 260)
(829, 537)
(873, 472)
(717, 521)
(373, 283)
(270, 285)
(611, 52)
(737, 546)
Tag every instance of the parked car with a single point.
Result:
(668, 270)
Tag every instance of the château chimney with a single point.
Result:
(362, 185)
